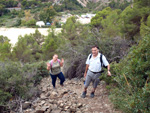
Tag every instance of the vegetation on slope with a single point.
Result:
(123, 37)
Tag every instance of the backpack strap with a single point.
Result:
(51, 62)
(101, 60)
(90, 56)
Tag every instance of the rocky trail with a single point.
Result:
(67, 99)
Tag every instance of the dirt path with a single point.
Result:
(100, 103)
(68, 99)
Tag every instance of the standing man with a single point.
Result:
(93, 70)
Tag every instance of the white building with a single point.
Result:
(40, 23)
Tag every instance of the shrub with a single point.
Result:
(18, 79)
(31, 23)
(133, 86)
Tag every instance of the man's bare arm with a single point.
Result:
(108, 68)
(86, 69)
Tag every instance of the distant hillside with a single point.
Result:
(102, 2)
(85, 2)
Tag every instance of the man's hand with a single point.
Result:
(109, 74)
(85, 74)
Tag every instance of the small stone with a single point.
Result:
(51, 101)
(44, 108)
(78, 112)
(73, 109)
(28, 111)
(39, 111)
(61, 105)
(106, 105)
(56, 111)
(54, 94)
(47, 94)
(74, 105)
(67, 107)
(42, 102)
(44, 89)
(42, 96)
(59, 102)
(26, 105)
(54, 106)
(79, 105)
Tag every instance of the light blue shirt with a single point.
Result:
(95, 64)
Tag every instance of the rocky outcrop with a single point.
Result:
(67, 99)
(84, 2)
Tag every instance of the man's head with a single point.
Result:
(95, 50)
(55, 57)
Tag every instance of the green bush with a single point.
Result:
(133, 86)
(18, 79)
(28, 48)
(18, 22)
(31, 23)
(4, 96)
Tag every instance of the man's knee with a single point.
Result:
(96, 82)
(87, 82)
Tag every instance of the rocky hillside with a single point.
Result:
(67, 99)
(101, 2)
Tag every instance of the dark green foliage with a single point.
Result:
(132, 17)
(69, 31)
(129, 23)
(119, 4)
(2, 9)
(51, 44)
(18, 22)
(5, 48)
(6, 4)
(68, 5)
(9, 3)
(31, 23)
(19, 79)
(111, 25)
(28, 48)
(145, 27)
(142, 3)
(5, 96)
(132, 79)
(25, 4)
(47, 14)
(96, 21)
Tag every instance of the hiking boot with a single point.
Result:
(83, 94)
(92, 95)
